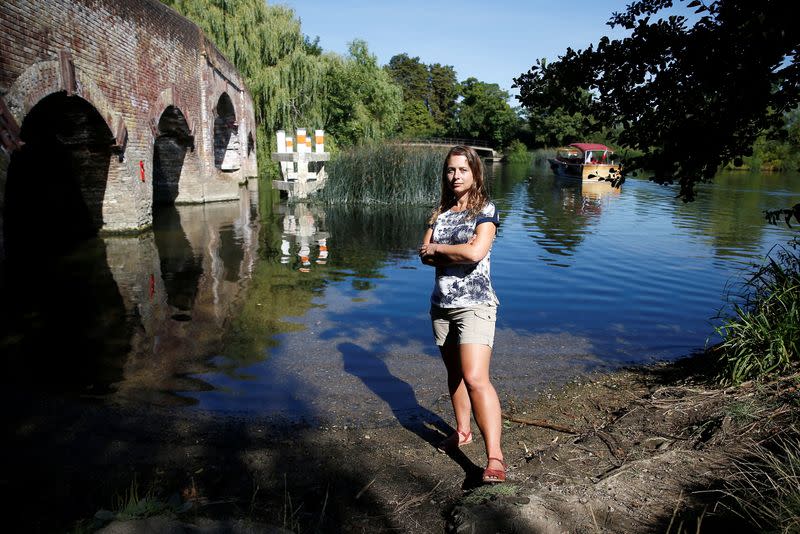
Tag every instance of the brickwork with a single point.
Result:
(130, 60)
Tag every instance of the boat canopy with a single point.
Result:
(585, 147)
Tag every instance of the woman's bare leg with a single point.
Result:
(474, 360)
(462, 407)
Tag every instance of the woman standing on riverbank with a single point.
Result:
(458, 243)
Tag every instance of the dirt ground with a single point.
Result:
(637, 450)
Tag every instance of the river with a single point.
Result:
(320, 314)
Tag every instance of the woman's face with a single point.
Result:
(459, 175)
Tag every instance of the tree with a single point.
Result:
(412, 75)
(416, 120)
(688, 97)
(433, 89)
(552, 127)
(484, 113)
(443, 93)
(360, 101)
(266, 45)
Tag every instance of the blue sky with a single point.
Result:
(492, 41)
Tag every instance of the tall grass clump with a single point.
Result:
(387, 173)
(518, 153)
(762, 336)
(766, 487)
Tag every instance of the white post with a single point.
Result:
(301, 140)
(280, 136)
(319, 141)
(289, 164)
(286, 166)
(302, 163)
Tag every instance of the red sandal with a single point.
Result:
(454, 440)
(493, 476)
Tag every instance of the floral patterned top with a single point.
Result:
(463, 285)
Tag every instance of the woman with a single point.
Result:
(463, 304)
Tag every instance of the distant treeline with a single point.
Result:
(295, 83)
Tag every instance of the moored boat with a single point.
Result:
(588, 162)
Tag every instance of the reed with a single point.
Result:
(763, 335)
(384, 173)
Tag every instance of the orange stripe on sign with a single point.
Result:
(319, 139)
(301, 139)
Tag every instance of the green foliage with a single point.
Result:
(777, 149)
(412, 75)
(558, 127)
(131, 505)
(293, 83)
(417, 121)
(517, 152)
(688, 97)
(429, 95)
(444, 91)
(763, 336)
(361, 102)
(269, 50)
(484, 113)
(384, 174)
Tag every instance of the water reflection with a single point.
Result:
(560, 213)
(197, 263)
(64, 325)
(303, 228)
(139, 315)
(241, 305)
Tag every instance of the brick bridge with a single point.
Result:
(106, 108)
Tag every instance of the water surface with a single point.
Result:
(321, 313)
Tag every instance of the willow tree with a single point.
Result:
(266, 45)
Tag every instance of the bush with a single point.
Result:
(517, 152)
(763, 336)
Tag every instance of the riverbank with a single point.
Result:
(635, 450)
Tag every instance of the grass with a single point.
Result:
(385, 173)
(131, 505)
(766, 488)
(762, 338)
(488, 492)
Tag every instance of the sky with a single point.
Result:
(491, 41)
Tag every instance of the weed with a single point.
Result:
(763, 336)
(742, 412)
(131, 505)
(766, 489)
(487, 492)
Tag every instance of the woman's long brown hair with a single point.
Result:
(477, 197)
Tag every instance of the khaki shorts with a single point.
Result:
(464, 325)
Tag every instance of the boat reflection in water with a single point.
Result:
(585, 198)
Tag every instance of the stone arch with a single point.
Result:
(44, 78)
(173, 139)
(56, 182)
(227, 150)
